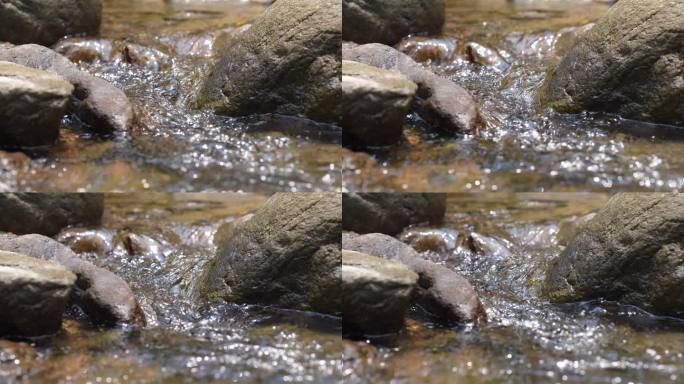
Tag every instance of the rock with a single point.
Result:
(78, 49)
(33, 295)
(567, 228)
(632, 251)
(34, 103)
(388, 21)
(44, 22)
(429, 49)
(376, 294)
(286, 254)
(48, 213)
(99, 104)
(390, 213)
(441, 102)
(376, 102)
(491, 247)
(423, 239)
(441, 291)
(288, 62)
(629, 63)
(488, 57)
(104, 297)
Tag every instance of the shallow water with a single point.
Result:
(523, 148)
(527, 340)
(176, 147)
(158, 243)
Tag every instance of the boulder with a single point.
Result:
(441, 102)
(46, 21)
(632, 251)
(104, 297)
(441, 291)
(48, 213)
(388, 21)
(390, 213)
(34, 103)
(567, 228)
(33, 295)
(288, 62)
(376, 294)
(99, 104)
(286, 254)
(375, 104)
(630, 63)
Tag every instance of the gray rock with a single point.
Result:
(104, 297)
(48, 213)
(33, 104)
(630, 63)
(101, 105)
(288, 62)
(632, 251)
(568, 228)
(441, 102)
(376, 294)
(441, 291)
(286, 254)
(390, 213)
(46, 21)
(375, 104)
(33, 295)
(388, 21)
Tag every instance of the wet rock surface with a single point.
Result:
(286, 254)
(96, 102)
(631, 251)
(442, 292)
(287, 62)
(47, 214)
(34, 103)
(387, 21)
(390, 213)
(45, 22)
(104, 297)
(376, 102)
(441, 102)
(629, 63)
(33, 295)
(376, 294)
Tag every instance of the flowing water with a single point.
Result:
(523, 147)
(158, 243)
(175, 146)
(527, 340)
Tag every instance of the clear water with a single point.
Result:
(159, 243)
(527, 340)
(523, 147)
(177, 147)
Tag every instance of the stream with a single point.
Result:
(522, 148)
(175, 146)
